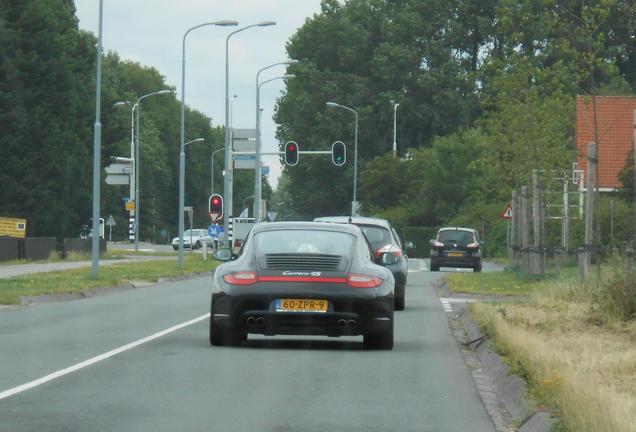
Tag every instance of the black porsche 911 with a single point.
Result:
(302, 278)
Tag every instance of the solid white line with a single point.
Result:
(19, 389)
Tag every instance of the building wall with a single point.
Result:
(615, 123)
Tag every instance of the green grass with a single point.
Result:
(77, 280)
(490, 283)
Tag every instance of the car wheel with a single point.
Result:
(197, 245)
(381, 340)
(175, 247)
(434, 267)
(477, 268)
(226, 337)
(399, 303)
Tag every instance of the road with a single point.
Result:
(176, 381)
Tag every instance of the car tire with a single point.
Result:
(434, 267)
(477, 268)
(175, 247)
(227, 337)
(399, 303)
(381, 340)
(197, 245)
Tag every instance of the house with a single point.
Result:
(615, 120)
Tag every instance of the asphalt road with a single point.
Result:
(177, 381)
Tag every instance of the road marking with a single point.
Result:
(446, 304)
(457, 300)
(19, 389)
(421, 265)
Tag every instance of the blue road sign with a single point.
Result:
(213, 230)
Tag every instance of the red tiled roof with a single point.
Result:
(615, 123)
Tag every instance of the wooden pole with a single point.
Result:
(512, 227)
(536, 225)
(589, 209)
(525, 228)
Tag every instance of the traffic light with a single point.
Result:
(338, 153)
(216, 205)
(291, 153)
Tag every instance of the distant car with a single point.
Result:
(456, 247)
(382, 238)
(302, 278)
(199, 236)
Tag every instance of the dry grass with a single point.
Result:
(574, 362)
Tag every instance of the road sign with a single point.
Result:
(214, 216)
(244, 139)
(116, 179)
(507, 213)
(119, 169)
(265, 170)
(111, 221)
(244, 162)
(213, 231)
(130, 205)
(13, 227)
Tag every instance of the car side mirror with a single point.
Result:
(387, 258)
(431, 241)
(409, 245)
(223, 254)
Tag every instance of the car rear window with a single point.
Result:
(457, 236)
(304, 241)
(376, 236)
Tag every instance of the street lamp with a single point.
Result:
(212, 169)
(395, 107)
(227, 179)
(194, 141)
(97, 147)
(258, 169)
(137, 167)
(131, 185)
(354, 204)
(223, 23)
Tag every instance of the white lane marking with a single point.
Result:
(19, 389)
(457, 300)
(446, 304)
(421, 265)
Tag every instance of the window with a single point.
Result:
(304, 241)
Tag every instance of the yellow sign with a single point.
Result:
(130, 205)
(13, 227)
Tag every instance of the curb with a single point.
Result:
(503, 394)
(98, 291)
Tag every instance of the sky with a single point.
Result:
(151, 31)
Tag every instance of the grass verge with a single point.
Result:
(575, 343)
(67, 281)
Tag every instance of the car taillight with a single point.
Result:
(241, 278)
(438, 244)
(388, 248)
(472, 245)
(363, 281)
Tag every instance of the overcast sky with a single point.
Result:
(150, 32)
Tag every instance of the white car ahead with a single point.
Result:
(194, 237)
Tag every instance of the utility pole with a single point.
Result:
(589, 209)
(512, 238)
(565, 242)
(536, 221)
(525, 241)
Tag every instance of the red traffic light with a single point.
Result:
(292, 151)
(215, 204)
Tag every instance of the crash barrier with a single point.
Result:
(10, 248)
(420, 236)
(39, 248)
(81, 245)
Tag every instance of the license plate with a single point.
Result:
(455, 254)
(301, 305)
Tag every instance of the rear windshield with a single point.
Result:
(457, 236)
(304, 241)
(376, 236)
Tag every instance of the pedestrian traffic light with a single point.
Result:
(291, 153)
(216, 205)
(338, 153)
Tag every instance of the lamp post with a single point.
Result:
(258, 169)
(227, 179)
(212, 169)
(355, 154)
(136, 108)
(131, 194)
(97, 147)
(182, 132)
(395, 107)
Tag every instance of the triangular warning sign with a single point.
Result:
(507, 213)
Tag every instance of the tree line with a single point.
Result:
(486, 91)
(47, 90)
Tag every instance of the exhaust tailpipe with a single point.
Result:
(352, 324)
(260, 322)
(250, 321)
(342, 323)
